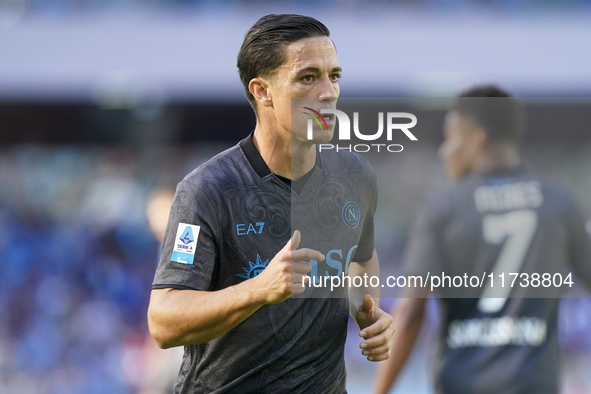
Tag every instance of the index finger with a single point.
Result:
(306, 254)
(300, 267)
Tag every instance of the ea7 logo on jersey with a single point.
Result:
(185, 243)
(250, 228)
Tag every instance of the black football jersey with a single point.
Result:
(228, 219)
(500, 339)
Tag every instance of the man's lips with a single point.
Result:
(328, 117)
(325, 118)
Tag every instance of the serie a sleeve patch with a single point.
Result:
(185, 243)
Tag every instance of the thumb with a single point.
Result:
(294, 242)
(367, 304)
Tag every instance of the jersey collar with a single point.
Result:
(254, 157)
(503, 172)
(256, 160)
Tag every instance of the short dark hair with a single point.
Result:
(495, 110)
(262, 52)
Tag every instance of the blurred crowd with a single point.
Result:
(80, 232)
(79, 241)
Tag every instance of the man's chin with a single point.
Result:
(320, 137)
(323, 137)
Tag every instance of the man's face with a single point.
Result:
(461, 145)
(311, 71)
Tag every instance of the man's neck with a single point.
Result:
(501, 157)
(284, 158)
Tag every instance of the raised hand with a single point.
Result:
(283, 276)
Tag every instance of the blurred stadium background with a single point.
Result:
(105, 105)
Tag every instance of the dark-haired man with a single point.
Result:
(499, 218)
(229, 268)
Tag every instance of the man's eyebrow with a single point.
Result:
(316, 70)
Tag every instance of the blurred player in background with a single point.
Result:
(498, 218)
(158, 209)
(228, 268)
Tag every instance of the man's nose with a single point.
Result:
(329, 90)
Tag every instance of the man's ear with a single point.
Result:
(259, 88)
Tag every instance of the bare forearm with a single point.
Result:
(182, 317)
(408, 321)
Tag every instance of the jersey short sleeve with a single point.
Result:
(366, 246)
(189, 249)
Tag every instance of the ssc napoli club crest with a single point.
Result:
(351, 214)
